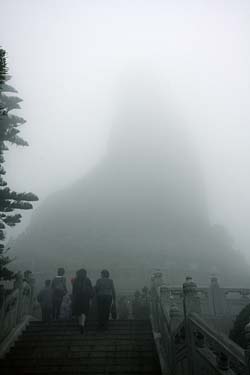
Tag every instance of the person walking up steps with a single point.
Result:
(45, 299)
(81, 296)
(105, 292)
(59, 290)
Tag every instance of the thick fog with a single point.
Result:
(74, 62)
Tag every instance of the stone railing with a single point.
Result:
(218, 305)
(210, 352)
(15, 306)
(187, 344)
(214, 300)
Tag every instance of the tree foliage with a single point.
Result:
(10, 201)
(237, 333)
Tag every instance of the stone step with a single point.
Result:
(127, 347)
(117, 321)
(86, 336)
(61, 362)
(120, 323)
(81, 354)
(117, 328)
(106, 347)
(81, 343)
(88, 329)
(83, 338)
(83, 369)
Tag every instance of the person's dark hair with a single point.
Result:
(60, 271)
(81, 274)
(47, 282)
(105, 273)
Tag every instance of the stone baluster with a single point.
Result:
(222, 361)
(200, 340)
(164, 292)
(190, 298)
(175, 316)
(156, 280)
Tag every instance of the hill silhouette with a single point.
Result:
(143, 206)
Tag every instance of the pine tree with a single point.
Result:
(10, 201)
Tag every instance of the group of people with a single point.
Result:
(52, 295)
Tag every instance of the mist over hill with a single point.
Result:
(143, 206)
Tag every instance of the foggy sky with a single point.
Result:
(67, 59)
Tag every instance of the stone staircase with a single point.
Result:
(58, 348)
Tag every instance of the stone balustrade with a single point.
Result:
(187, 342)
(15, 305)
(215, 301)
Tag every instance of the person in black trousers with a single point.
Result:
(105, 293)
(45, 299)
(81, 295)
(59, 290)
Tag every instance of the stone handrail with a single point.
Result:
(161, 324)
(14, 308)
(213, 350)
(186, 341)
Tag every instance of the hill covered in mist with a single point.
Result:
(142, 206)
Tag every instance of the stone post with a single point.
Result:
(158, 281)
(216, 298)
(164, 294)
(191, 300)
(175, 316)
(191, 303)
(154, 297)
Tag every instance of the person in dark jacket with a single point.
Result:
(59, 290)
(81, 295)
(45, 299)
(105, 293)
